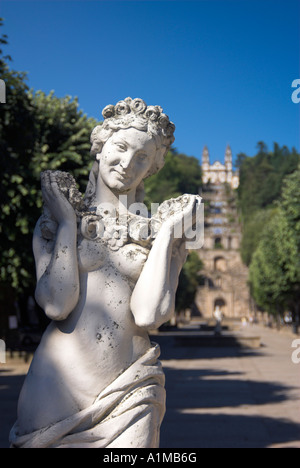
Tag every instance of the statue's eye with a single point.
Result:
(142, 156)
(121, 146)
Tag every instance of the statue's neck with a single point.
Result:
(104, 195)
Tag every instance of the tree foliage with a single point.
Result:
(275, 266)
(290, 249)
(180, 174)
(189, 280)
(261, 178)
(252, 231)
(268, 268)
(269, 204)
(37, 132)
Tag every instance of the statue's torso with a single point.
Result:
(78, 357)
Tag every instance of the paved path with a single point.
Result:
(232, 397)
(216, 396)
(12, 375)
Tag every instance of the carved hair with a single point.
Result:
(132, 113)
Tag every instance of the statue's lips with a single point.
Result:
(122, 175)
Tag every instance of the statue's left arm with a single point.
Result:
(57, 290)
(153, 298)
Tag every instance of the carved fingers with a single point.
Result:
(55, 200)
(182, 214)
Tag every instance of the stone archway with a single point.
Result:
(220, 264)
(218, 243)
(221, 304)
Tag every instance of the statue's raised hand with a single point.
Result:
(57, 203)
(179, 215)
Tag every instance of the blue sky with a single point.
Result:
(221, 69)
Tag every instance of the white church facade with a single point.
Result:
(218, 173)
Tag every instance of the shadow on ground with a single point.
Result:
(195, 347)
(203, 404)
(10, 387)
(206, 408)
(207, 430)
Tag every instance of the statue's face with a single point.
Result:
(126, 158)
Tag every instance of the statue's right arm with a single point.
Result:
(57, 290)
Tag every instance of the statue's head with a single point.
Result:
(134, 113)
(134, 134)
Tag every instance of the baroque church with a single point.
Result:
(218, 173)
(224, 285)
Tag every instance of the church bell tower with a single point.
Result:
(205, 165)
(228, 164)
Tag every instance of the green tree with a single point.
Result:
(189, 280)
(16, 145)
(290, 207)
(261, 177)
(275, 266)
(252, 231)
(59, 140)
(267, 272)
(62, 136)
(180, 174)
(37, 132)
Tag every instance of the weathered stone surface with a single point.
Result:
(106, 275)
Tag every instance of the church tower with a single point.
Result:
(218, 173)
(224, 284)
(228, 164)
(205, 165)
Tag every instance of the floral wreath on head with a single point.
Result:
(135, 113)
(131, 113)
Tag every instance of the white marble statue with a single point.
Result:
(106, 275)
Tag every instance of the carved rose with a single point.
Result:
(108, 111)
(170, 129)
(163, 121)
(115, 236)
(92, 227)
(139, 229)
(122, 108)
(138, 106)
(152, 112)
(172, 206)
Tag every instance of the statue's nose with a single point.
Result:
(126, 160)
